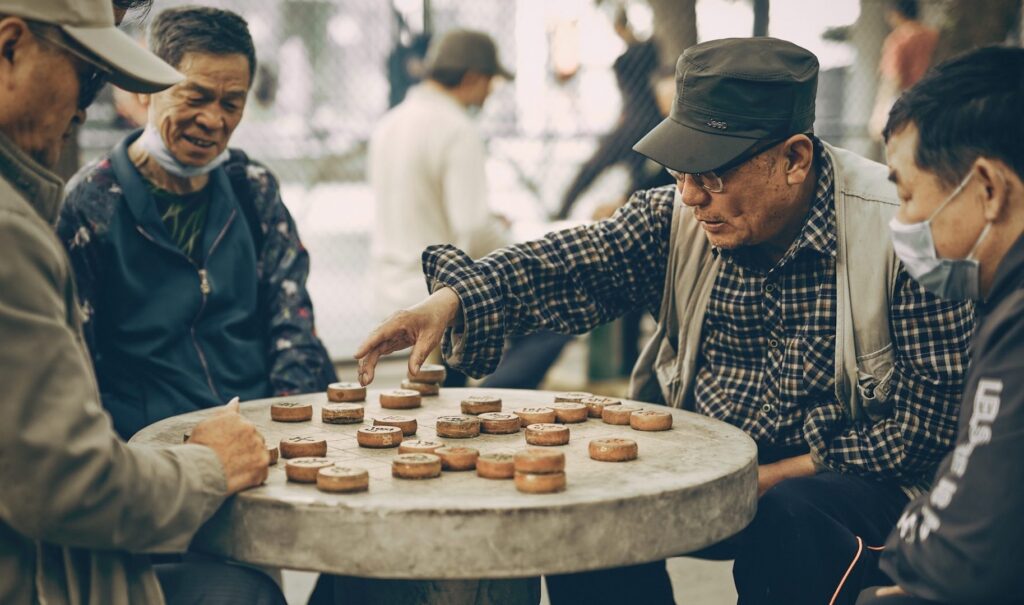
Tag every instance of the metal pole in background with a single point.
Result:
(761, 12)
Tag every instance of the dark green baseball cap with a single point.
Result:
(730, 94)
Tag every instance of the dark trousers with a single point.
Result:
(810, 540)
(524, 364)
(199, 580)
(868, 598)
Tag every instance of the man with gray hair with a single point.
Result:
(79, 507)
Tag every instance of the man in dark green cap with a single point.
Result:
(781, 309)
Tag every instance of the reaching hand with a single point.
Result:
(420, 327)
(240, 447)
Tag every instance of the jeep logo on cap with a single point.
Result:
(718, 124)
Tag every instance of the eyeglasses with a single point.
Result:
(711, 180)
(91, 77)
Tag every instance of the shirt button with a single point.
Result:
(767, 409)
(773, 343)
(769, 288)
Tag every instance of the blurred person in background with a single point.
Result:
(906, 54)
(427, 168)
(80, 509)
(634, 70)
(189, 266)
(954, 149)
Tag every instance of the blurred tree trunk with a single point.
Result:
(675, 28)
(967, 25)
(761, 12)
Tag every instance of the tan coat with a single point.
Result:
(76, 502)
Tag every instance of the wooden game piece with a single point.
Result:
(406, 423)
(304, 470)
(651, 420)
(547, 434)
(419, 447)
(400, 399)
(481, 404)
(346, 392)
(498, 465)
(595, 405)
(291, 411)
(535, 415)
(416, 466)
(618, 414)
(538, 461)
(540, 484)
(497, 423)
(572, 397)
(342, 413)
(429, 372)
(272, 451)
(342, 480)
(569, 413)
(458, 458)
(457, 427)
(303, 447)
(613, 450)
(379, 436)
(423, 388)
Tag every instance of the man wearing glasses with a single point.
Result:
(79, 508)
(781, 309)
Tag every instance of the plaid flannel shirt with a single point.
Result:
(768, 356)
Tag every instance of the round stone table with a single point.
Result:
(691, 486)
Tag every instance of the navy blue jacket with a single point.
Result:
(168, 335)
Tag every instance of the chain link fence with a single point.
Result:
(590, 79)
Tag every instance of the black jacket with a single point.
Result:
(963, 542)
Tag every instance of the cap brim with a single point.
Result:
(504, 73)
(132, 67)
(689, 150)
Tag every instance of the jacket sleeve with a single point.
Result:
(964, 541)
(298, 361)
(67, 479)
(567, 282)
(931, 338)
(78, 235)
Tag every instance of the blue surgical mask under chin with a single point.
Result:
(153, 144)
(947, 278)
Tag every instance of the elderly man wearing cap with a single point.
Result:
(426, 166)
(781, 309)
(78, 506)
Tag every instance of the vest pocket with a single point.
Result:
(874, 381)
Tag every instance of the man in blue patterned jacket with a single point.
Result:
(189, 267)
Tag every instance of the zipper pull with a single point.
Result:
(204, 282)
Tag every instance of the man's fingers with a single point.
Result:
(367, 363)
(420, 350)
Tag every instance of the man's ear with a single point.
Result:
(14, 33)
(798, 158)
(994, 188)
(143, 99)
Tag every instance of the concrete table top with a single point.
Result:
(691, 487)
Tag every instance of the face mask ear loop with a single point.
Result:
(952, 196)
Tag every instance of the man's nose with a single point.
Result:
(691, 193)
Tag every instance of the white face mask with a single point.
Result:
(153, 144)
(947, 278)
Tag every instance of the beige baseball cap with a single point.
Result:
(90, 23)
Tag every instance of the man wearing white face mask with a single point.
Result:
(954, 150)
(189, 267)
